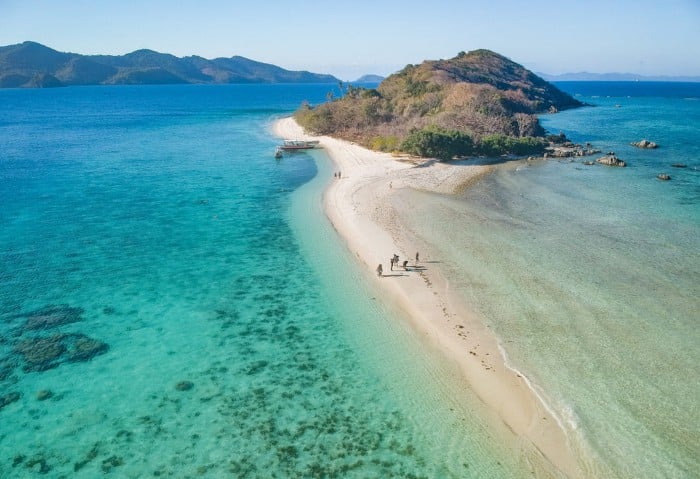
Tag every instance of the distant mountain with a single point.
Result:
(369, 79)
(586, 76)
(32, 65)
(478, 98)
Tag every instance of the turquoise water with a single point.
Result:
(590, 275)
(173, 303)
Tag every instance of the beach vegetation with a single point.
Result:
(385, 143)
(436, 142)
(496, 145)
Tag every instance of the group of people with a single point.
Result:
(336, 175)
(394, 260)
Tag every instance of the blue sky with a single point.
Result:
(348, 39)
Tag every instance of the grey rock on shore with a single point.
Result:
(610, 160)
(645, 144)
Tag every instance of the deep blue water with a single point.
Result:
(639, 89)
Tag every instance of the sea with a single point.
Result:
(174, 303)
(590, 275)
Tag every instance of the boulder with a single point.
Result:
(645, 144)
(611, 160)
(663, 177)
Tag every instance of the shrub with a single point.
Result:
(385, 143)
(433, 142)
(496, 145)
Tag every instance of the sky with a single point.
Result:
(352, 38)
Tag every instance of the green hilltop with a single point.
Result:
(475, 103)
(31, 64)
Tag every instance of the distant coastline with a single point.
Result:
(617, 77)
(33, 65)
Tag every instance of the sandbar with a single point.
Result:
(359, 207)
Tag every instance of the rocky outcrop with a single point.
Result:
(48, 352)
(611, 160)
(645, 144)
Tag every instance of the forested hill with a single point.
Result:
(31, 64)
(477, 102)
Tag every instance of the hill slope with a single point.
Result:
(471, 97)
(31, 64)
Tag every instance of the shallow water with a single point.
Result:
(590, 276)
(173, 303)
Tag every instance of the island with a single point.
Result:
(32, 65)
(477, 103)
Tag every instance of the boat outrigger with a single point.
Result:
(298, 144)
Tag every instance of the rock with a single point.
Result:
(41, 354)
(611, 160)
(84, 348)
(44, 394)
(679, 165)
(663, 177)
(112, 462)
(184, 385)
(9, 398)
(51, 316)
(645, 144)
(588, 163)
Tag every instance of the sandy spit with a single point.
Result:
(358, 205)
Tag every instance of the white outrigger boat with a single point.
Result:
(290, 145)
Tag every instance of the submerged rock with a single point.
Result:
(52, 316)
(41, 354)
(679, 165)
(611, 160)
(85, 348)
(44, 394)
(663, 177)
(9, 398)
(184, 385)
(645, 144)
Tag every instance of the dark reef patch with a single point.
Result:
(9, 398)
(52, 316)
(48, 352)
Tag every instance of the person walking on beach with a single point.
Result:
(380, 270)
(391, 263)
(416, 257)
(405, 265)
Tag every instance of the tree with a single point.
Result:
(434, 142)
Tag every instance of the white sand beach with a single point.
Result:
(359, 208)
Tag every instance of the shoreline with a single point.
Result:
(359, 208)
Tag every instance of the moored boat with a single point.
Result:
(298, 144)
